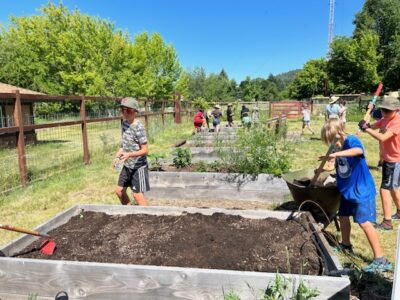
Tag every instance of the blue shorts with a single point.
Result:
(361, 212)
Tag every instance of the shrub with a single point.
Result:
(155, 161)
(182, 157)
(201, 167)
(257, 151)
(200, 103)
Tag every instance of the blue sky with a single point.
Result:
(253, 38)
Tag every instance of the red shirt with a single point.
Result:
(198, 117)
(390, 149)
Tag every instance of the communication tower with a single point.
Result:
(331, 24)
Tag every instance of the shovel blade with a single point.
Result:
(48, 247)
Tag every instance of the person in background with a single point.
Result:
(306, 119)
(216, 115)
(356, 185)
(229, 115)
(244, 116)
(343, 112)
(332, 110)
(389, 150)
(255, 116)
(207, 118)
(244, 111)
(199, 120)
(133, 153)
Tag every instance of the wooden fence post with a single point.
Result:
(190, 111)
(19, 122)
(162, 112)
(86, 154)
(177, 102)
(270, 109)
(146, 117)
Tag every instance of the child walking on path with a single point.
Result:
(389, 144)
(133, 153)
(306, 119)
(356, 185)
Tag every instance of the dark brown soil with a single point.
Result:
(191, 240)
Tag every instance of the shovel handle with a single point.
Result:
(23, 230)
(322, 164)
(367, 115)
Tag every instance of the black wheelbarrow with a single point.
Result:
(322, 201)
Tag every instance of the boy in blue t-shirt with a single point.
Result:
(357, 187)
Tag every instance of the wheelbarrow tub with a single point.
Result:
(328, 197)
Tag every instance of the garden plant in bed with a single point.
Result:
(256, 151)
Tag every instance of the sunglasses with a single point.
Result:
(127, 110)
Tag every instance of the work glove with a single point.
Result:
(363, 125)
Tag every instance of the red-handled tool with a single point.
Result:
(373, 101)
(47, 247)
(367, 115)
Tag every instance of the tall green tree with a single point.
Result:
(67, 52)
(196, 83)
(310, 81)
(383, 18)
(161, 62)
(353, 66)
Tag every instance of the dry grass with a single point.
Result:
(95, 184)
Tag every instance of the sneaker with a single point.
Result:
(344, 248)
(377, 266)
(396, 216)
(384, 226)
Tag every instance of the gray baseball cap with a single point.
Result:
(390, 103)
(130, 102)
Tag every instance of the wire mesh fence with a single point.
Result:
(56, 142)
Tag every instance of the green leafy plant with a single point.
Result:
(257, 151)
(182, 157)
(304, 292)
(32, 296)
(201, 167)
(155, 161)
(200, 103)
(277, 289)
(231, 296)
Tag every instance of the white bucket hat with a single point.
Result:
(333, 99)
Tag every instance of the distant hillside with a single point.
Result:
(284, 79)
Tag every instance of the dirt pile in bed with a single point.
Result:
(191, 240)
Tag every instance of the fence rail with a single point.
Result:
(19, 127)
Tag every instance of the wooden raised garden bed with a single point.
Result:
(119, 252)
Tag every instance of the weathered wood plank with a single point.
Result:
(113, 281)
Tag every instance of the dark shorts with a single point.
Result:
(361, 212)
(390, 175)
(136, 179)
(198, 125)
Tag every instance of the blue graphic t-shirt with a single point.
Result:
(353, 178)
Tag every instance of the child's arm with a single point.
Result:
(379, 136)
(347, 153)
